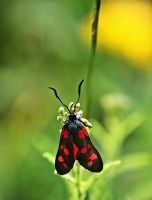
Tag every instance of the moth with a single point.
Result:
(75, 143)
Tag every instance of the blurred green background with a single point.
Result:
(46, 43)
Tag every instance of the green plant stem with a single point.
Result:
(88, 81)
(78, 182)
(92, 56)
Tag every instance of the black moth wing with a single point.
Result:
(88, 155)
(65, 155)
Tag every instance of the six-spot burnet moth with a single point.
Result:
(75, 143)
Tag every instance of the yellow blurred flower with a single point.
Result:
(125, 27)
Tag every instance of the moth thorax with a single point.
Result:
(72, 117)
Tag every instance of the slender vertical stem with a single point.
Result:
(88, 81)
(92, 56)
(79, 181)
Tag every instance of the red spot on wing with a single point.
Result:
(60, 159)
(61, 147)
(89, 163)
(81, 134)
(75, 150)
(65, 165)
(85, 131)
(66, 151)
(84, 150)
(93, 156)
(66, 134)
(88, 146)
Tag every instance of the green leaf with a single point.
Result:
(50, 157)
(135, 161)
(108, 167)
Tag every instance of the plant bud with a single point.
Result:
(77, 106)
(71, 105)
(61, 111)
(81, 113)
(65, 114)
(59, 118)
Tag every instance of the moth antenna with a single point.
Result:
(55, 92)
(71, 106)
(79, 93)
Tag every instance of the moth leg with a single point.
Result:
(86, 125)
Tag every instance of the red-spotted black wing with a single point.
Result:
(66, 153)
(88, 155)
